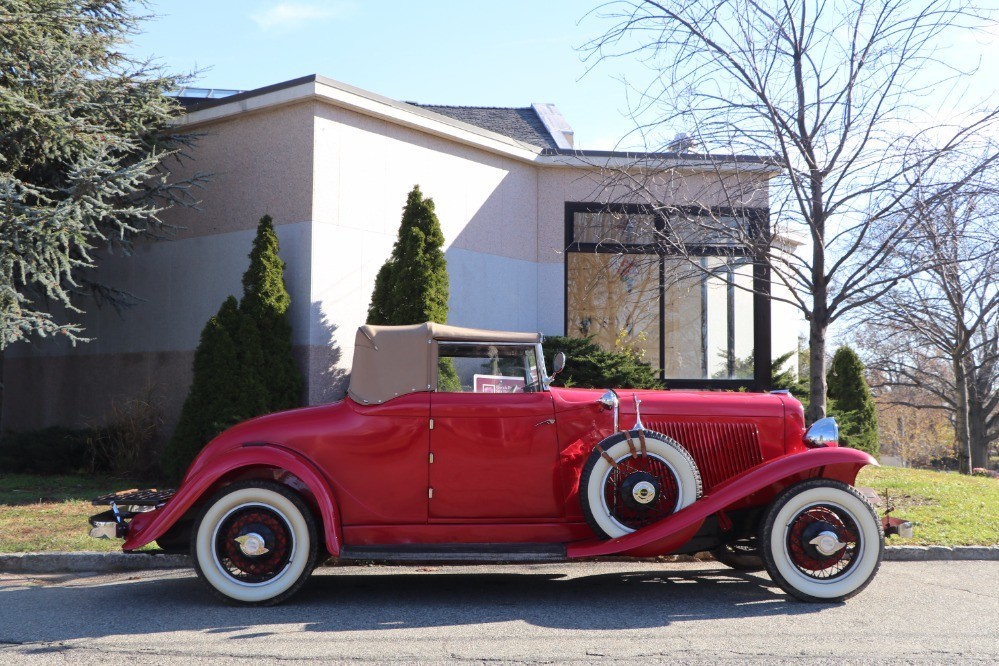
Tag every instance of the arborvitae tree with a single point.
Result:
(211, 405)
(412, 285)
(265, 303)
(590, 366)
(851, 400)
(243, 365)
(85, 144)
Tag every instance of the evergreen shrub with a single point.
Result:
(851, 403)
(243, 366)
(590, 366)
(54, 450)
(412, 285)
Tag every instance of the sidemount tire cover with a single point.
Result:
(861, 559)
(277, 501)
(597, 471)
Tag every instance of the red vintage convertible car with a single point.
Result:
(452, 446)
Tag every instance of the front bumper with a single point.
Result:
(125, 504)
(897, 527)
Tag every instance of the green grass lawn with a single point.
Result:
(49, 513)
(949, 509)
(39, 513)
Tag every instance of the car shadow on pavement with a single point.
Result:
(350, 600)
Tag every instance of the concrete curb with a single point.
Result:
(89, 561)
(107, 562)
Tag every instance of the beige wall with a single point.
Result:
(486, 203)
(260, 163)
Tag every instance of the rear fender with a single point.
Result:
(673, 531)
(147, 527)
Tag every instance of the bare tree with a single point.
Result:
(938, 330)
(834, 90)
(920, 436)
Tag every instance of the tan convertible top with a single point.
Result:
(392, 360)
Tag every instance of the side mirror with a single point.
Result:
(559, 363)
(822, 433)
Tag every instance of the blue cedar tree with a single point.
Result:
(85, 149)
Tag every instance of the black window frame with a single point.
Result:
(760, 224)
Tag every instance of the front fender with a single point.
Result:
(673, 531)
(147, 527)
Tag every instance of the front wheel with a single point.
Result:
(254, 543)
(821, 541)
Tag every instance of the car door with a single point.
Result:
(493, 444)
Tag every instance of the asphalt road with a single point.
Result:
(914, 612)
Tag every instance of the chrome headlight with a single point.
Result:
(822, 433)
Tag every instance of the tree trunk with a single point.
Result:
(819, 321)
(816, 371)
(977, 431)
(961, 415)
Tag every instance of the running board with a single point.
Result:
(458, 553)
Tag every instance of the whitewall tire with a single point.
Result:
(254, 543)
(822, 541)
(637, 489)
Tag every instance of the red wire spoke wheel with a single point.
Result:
(255, 543)
(623, 489)
(821, 541)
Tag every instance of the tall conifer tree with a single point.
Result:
(85, 151)
(211, 405)
(851, 402)
(412, 285)
(266, 302)
(243, 366)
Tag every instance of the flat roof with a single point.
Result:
(425, 119)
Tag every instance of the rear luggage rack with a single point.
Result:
(133, 497)
(124, 504)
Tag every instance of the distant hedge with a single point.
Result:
(53, 450)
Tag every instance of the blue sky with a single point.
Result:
(509, 53)
(467, 52)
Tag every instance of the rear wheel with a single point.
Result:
(255, 543)
(624, 488)
(821, 541)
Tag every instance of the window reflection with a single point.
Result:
(617, 275)
(614, 228)
(614, 298)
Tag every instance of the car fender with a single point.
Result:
(147, 527)
(673, 531)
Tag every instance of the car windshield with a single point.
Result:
(487, 368)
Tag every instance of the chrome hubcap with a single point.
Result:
(827, 543)
(644, 492)
(252, 544)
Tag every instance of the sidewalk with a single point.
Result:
(104, 562)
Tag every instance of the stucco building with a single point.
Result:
(539, 238)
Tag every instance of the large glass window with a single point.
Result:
(658, 285)
(614, 298)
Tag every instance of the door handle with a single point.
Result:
(545, 422)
